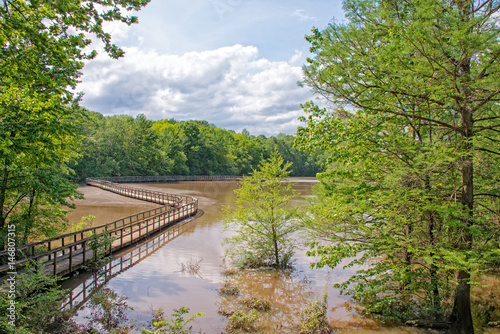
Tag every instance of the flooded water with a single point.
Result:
(155, 275)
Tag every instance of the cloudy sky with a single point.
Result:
(234, 63)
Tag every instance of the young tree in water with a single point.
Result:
(262, 219)
(412, 140)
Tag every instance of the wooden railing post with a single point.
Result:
(55, 263)
(70, 259)
(84, 251)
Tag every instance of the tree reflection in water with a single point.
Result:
(108, 311)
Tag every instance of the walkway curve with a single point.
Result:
(69, 252)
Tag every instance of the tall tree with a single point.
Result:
(171, 150)
(43, 44)
(412, 142)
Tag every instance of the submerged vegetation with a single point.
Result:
(177, 325)
(277, 296)
(244, 320)
(313, 319)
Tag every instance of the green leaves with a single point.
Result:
(43, 44)
(262, 221)
(122, 145)
(408, 191)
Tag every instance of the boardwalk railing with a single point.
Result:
(66, 253)
(172, 178)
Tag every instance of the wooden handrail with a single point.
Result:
(117, 266)
(169, 178)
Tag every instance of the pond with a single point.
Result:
(184, 266)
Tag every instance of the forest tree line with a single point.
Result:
(123, 145)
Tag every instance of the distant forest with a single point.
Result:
(123, 145)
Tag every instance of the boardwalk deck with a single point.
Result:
(67, 253)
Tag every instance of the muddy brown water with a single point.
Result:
(156, 278)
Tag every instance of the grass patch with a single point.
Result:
(313, 318)
(259, 304)
(242, 320)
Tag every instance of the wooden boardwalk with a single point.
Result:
(69, 252)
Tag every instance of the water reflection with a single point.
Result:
(287, 293)
(83, 288)
(108, 311)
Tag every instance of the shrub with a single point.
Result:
(38, 299)
(242, 320)
(175, 326)
(313, 318)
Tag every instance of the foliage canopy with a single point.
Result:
(411, 139)
(123, 145)
(43, 46)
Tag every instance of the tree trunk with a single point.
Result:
(29, 218)
(276, 250)
(461, 316)
(436, 299)
(3, 197)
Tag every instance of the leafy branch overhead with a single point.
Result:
(43, 46)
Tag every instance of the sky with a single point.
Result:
(233, 63)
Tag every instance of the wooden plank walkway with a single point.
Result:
(67, 253)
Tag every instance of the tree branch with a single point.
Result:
(485, 194)
(486, 150)
(14, 205)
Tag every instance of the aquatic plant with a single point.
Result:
(259, 304)
(242, 320)
(313, 318)
(191, 267)
(175, 326)
(228, 289)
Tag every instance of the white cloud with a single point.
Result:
(231, 87)
(296, 57)
(302, 15)
(118, 30)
